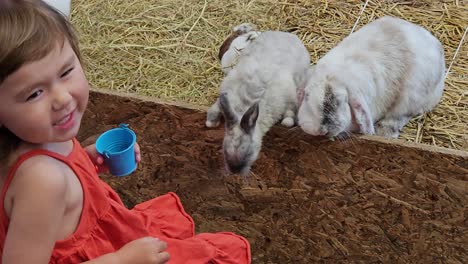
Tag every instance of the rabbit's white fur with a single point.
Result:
(241, 36)
(231, 56)
(374, 81)
(262, 84)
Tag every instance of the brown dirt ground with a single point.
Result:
(308, 201)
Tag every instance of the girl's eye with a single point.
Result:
(34, 95)
(67, 72)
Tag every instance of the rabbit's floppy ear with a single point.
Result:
(362, 115)
(249, 119)
(229, 116)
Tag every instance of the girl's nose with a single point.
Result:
(61, 98)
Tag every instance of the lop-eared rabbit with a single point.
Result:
(374, 81)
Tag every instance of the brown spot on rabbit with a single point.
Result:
(236, 32)
(227, 43)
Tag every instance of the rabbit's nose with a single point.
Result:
(236, 168)
(323, 131)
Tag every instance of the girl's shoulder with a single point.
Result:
(36, 176)
(35, 203)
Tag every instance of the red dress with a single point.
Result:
(106, 224)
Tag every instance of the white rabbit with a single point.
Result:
(229, 52)
(241, 36)
(259, 91)
(374, 81)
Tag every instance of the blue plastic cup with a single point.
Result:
(117, 147)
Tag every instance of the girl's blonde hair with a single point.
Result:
(29, 31)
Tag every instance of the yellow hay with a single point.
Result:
(167, 48)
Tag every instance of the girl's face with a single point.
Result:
(44, 101)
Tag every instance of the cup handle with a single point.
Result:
(124, 126)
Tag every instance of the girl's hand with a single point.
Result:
(98, 160)
(146, 250)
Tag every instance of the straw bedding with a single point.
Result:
(167, 48)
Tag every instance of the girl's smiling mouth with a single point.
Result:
(66, 122)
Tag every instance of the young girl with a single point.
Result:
(54, 208)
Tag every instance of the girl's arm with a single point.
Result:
(38, 194)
